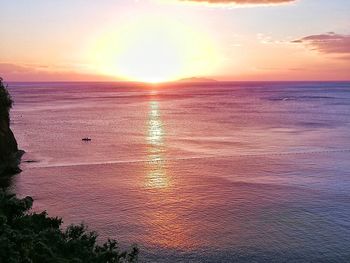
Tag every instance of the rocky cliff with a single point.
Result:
(9, 153)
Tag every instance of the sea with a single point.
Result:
(193, 172)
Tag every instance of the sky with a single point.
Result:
(165, 40)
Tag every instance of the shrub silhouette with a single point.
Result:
(36, 237)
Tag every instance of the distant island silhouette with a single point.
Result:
(196, 79)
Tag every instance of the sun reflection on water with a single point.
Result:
(156, 176)
(165, 226)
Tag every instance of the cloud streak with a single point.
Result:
(25, 72)
(329, 43)
(242, 2)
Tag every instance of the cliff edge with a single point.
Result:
(9, 154)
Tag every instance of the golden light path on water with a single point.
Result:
(166, 227)
(156, 177)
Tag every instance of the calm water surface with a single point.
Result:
(220, 172)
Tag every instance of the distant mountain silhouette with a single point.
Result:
(197, 79)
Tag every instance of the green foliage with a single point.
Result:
(32, 237)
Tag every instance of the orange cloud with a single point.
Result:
(242, 2)
(330, 43)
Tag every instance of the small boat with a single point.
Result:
(86, 139)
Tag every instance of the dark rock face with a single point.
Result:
(9, 154)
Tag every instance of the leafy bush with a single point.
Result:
(33, 237)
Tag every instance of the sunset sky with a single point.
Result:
(164, 40)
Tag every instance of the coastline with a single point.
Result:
(28, 236)
(10, 155)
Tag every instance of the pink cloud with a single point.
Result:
(330, 43)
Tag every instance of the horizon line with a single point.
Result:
(172, 82)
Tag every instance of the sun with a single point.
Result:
(150, 54)
(154, 49)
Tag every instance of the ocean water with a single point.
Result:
(202, 172)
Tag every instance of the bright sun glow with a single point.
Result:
(155, 50)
